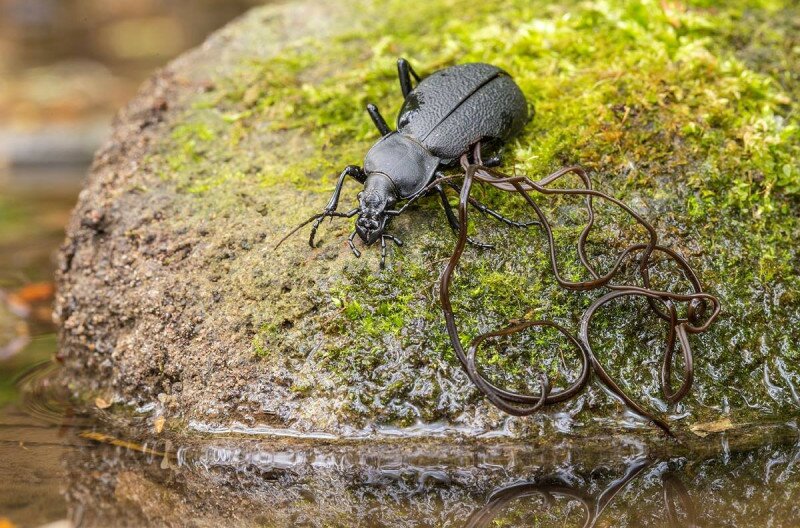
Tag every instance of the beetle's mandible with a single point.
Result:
(441, 118)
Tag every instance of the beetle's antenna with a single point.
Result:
(298, 228)
(318, 216)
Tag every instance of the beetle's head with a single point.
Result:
(372, 220)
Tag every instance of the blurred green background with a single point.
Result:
(66, 66)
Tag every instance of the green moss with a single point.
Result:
(689, 112)
(353, 311)
(259, 348)
(612, 84)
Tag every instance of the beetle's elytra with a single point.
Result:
(441, 118)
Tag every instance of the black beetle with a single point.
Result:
(441, 118)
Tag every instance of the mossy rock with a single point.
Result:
(171, 291)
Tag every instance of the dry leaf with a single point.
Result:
(158, 424)
(704, 429)
(102, 403)
(35, 292)
(108, 439)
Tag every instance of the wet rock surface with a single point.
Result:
(172, 298)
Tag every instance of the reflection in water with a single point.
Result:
(117, 470)
(675, 491)
(552, 488)
(397, 486)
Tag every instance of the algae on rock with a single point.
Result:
(170, 290)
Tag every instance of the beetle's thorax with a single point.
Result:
(404, 161)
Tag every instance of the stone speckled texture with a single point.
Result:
(170, 291)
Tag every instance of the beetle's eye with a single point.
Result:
(359, 195)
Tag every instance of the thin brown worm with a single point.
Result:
(663, 303)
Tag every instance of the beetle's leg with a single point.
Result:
(405, 72)
(394, 239)
(377, 118)
(492, 162)
(448, 209)
(483, 208)
(355, 172)
(331, 214)
(453, 221)
(493, 146)
(383, 252)
(497, 216)
(353, 248)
